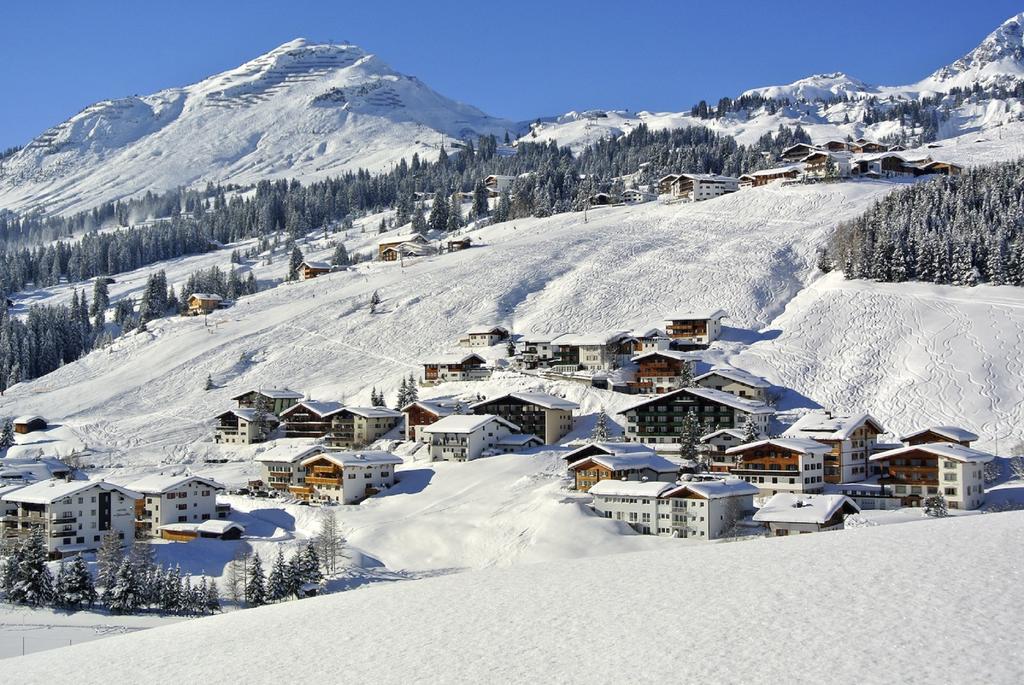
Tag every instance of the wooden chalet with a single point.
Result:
(665, 183)
(781, 465)
(835, 146)
(940, 168)
(496, 184)
(756, 179)
(920, 471)
(455, 368)
(309, 270)
(458, 244)
(422, 413)
(309, 419)
(29, 424)
(275, 400)
(637, 466)
(697, 328)
(662, 371)
(794, 153)
(930, 434)
(204, 303)
(601, 199)
(867, 147)
(390, 249)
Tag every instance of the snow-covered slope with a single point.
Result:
(302, 110)
(935, 598)
(998, 60)
(817, 87)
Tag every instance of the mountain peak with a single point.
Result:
(998, 59)
(817, 87)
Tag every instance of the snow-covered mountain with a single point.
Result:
(998, 60)
(303, 110)
(818, 87)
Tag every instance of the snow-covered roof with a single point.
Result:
(361, 458)
(608, 448)
(49, 491)
(652, 332)
(273, 394)
(28, 418)
(630, 488)
(289, 451)
(634, 461)
(403, 238)
(33, 468)
(159, 483)
(945, 450)
(949, 432)
(484, 329)
(824, 425)
(519, 439)
(590, 339)
(696, 315)
(714, 489)
(710, 178)
(219, 526)
(809, 146)
(439, 406)
(248, 414)
(465, 423)
(541, 399)
(737, 376)
(322, 266)
(206, 296)
(669, 354)
(803, 445)
(449, 359)
(787, 507)
(738, 434)
(322, 409)
(718, 396)
(776, 171)
(374, 412)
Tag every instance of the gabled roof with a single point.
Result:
(323, 266)
(363, 458)
(219, 526)
(608, 448)
(802, 445)
(718, 396)
(738, 434)
(630, 488)
(289, 451)
(945, 450)
(273, 394)
(776, 171)
(28, 418)
(206, 296)
(49, 491)
(669, 354)
(787, 507)
(712, 178)
(321, 409)
(466, 423)
(159, 484)
(589, 339)
(823, 425)
(485, 329)
(949, 432)
(696, 315)
(653, 332)
(737, 376)
(439, 406)
(403, 238)
(247, 414)
(541, 399)
(520, 439)
(635, 461)
(449, 359)
(374, 412)
(714, 489)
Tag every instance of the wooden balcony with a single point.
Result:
(323, 480)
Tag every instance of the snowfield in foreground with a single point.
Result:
(937, 600)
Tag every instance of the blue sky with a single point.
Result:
(518, 59)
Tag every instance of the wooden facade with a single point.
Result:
(303, 422)
(931, 436)
(654, 368)
(29, 424)
(307, 270)
(917, 469)
(661, 419)
(200, 304)
(682, 328)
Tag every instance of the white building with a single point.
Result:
(243, 427)
(781, 465)
(791, 514)
(281, 465)
(347, 477)
(632, 196)
(455, 367)
(736, 382)
(74, 515)
(918, 472)
(177, 499)
(705, 510)
(602, 351)
(649, 340)
(535, 351)
(716, 445)
(497, 184)
(695, 327)
(698, 187)
(484, 336)
(462, 437)
(851, 439)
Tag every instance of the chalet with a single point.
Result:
(632, 196)
(715, 446)
(282, 463)
(925, 470)
(862, 146)
(484, 336)
(496, 184)
(464, 437)
(537, 352)
(212, 529)
(835, 146)
(309, 418)
(592, 352)
(763, 177)
(659, 420)
(388, 249)
(422, 413)
(705, 510)
(274, 401)
(243, 427)
(398, 252)
(954, 434)
(794, 153)
(698, 187)
(458, 244)
(781, 465)
(867, 495)
(884, 165)
(309, 270)
(792, 514)
(850, 438)
(825, 164)
(648, 340)
(601, 200)
(736, 382)
(649, 466)
(663, 370)
(464, 367)
(346, 477)
(176, 499)
(936, 167)
(29, 424)
(606, 449)
(546, 416)
(357, 427)
(74, 515)
(665, 183)
(24, 470)
(695, 328)
(203, 303)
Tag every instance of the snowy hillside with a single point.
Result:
(998, 60)
(524, 622)
(303, 110)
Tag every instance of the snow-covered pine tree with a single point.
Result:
(108, 559)
(33, 582)
(750, 431)
(454, 212)
(600, 432)
(480, 206)
(936, 506)
(340, 256)
(256, 584)
(438, 220)
(419, 221)
(311, 572)
(294, 261)
(170, 593)
(125, 596)
(412, 392)
(278, 582)
(689, 436)
(212, 598)
(403, 394)
(7, 434)
(75, 587)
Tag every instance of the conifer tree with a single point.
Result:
(256, 585)
(419, 221)
(438, 220)
(212, 598)
(689, 436)
(294, 261)
(108, 559)
(125, 596)
(600, 432)
(480, 206)
(340, 257)
(751, 433)
(7, 434)
(412, 392)
(32, 582)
